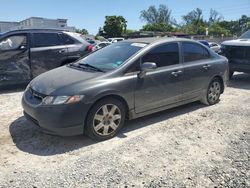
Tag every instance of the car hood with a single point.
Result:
(59, 80)
(237, 42)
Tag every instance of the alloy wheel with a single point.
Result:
(214, 92)
(107, 119)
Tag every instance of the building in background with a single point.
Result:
(5, 26)
(35, 23)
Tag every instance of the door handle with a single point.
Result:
(62, 51)
(176, 73)
(206, 67)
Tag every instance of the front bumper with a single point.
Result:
(63, 120)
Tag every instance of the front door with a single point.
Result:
(47, 52)
(14, 60)
(162, 86)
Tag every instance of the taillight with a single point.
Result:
(90, 48)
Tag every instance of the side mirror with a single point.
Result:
(146, 67)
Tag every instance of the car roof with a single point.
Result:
(35, 30)
(151, 40)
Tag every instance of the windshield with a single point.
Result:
(245, 35)
(113, 56)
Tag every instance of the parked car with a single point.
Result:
(127, 79)
(204, 42)
(113, 40)
(238, 53)
(215, 47)
(24, 54)
(100, 45)
(91, 41)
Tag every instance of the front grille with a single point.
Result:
(237, 52)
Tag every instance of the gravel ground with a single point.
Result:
(189, 146)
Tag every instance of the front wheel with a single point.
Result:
(105, 119)
(213, 92)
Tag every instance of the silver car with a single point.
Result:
(215, 47)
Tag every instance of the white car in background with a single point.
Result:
(100, 45)
(215, 47)
(113, 40)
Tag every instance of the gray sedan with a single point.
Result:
(125, 80)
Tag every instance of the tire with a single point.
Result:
(231, 73)
(213, 93)
(105, 119)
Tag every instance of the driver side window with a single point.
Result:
(13, 42)
(164, 55)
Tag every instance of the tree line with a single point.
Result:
(161, 20)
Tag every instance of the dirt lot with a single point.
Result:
(189, 146)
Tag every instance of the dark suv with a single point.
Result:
(24, 54)
(238, 53)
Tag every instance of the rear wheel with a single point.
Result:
(105, 119)
(213, 92)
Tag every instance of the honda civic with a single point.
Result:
(125, 80)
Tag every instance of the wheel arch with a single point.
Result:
(114, 96)
(219, 77)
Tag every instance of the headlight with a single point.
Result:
(54, 100)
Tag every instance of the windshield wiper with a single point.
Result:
(92, 67)
(85, 66)
(76, 65)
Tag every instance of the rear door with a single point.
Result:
(77, 46)
(47, 52)
(162, 86)
(14, 59)
(197, 65)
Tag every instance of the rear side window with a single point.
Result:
(194, 52)
(164, 55)
(46, 39)
(14, 42)
(67, 39)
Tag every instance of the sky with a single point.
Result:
(90, 14)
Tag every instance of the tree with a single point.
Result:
(154, 15)
(114, 26)
(162, 27)
(128, 31)
(217, 30)
(100, 32)
(82, 31)
(194, 23)
(214, 17)
(157, 19)
(194, 17)
(243, 23)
